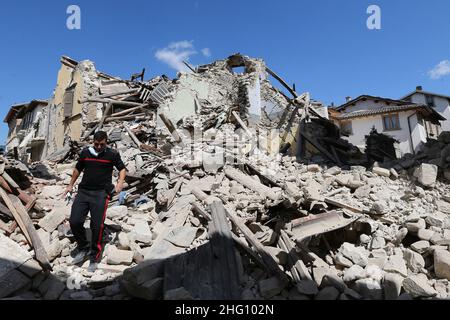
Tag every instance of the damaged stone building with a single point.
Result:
(209, 94)
(234, 190)
(27, 133)
(41, 128)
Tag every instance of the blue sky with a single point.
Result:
(322, 46)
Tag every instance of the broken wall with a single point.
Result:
(82, 79)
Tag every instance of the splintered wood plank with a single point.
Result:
(173, 273)
(222, 241)
(297, 263)
(205, 270)
(214, 264)
(26, 225)
(251, 238)
(190, 274)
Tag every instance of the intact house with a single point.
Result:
(26, 135)
(410, 124)
(440, 102)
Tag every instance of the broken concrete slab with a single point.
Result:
(420, 246)
(369, 288)
(417, 286)
(177, 294)
(396, 264)
(270, 287)
(13, 281)
(55, 289)
(357, 255)
(414, 261)
(141, 232)
(52, 220)
(442, 264)
(392, 285)
(307, 287)
(354, 273)
(426, 174)
(116, 256)
(117, 212)
(52, 192)
(144, 271)
(182, 236)
(12, 258)
(443, 206)
(381, 172)
(425, 234)
(414, 227)
(328, 293)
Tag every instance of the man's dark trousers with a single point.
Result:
(95, 202)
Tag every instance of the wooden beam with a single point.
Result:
(116, 102)
(132, 136)
(283, 83)
(345, 206)
(5, 211)
(127, 111)
(251, 183)
(100, 124)
(197, 207)
(242, 124)
(189, 66)
(26, 225)
(241, 242)
(174, 192)
(295, 259)
(222, 246)
(317, 146)
(20, 193)
(124, 118)
(251, 238)
(110, 95)
(173, 131)
(10, 180)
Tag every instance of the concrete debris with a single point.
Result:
(214, 205)
(357, 255)
(426, 174)
(328, 293)
(392, 286)
(369, 288)
(381, 172)
(270, 287)
(418, 286)
(117, 256)
(442, 264)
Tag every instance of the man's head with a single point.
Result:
(100, 141)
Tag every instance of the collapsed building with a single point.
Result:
(217, 204)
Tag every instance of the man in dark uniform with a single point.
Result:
(94, 193)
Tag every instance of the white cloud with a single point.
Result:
(440, 70)
(175, 53)
(206, 52)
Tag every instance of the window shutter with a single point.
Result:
(68, 103)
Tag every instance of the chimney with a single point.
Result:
(419, 88)
(347, 99)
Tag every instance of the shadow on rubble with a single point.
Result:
(212, 271)
(27, 281)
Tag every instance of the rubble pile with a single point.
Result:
(435, 153)
(224, 215)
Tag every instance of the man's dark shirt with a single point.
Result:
(98, 170)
